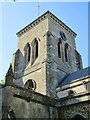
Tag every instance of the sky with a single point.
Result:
(16, 15)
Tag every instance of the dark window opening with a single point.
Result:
(28, 53)
(59, 49)
(30, 84)
(78, 117)
(36, 49)
(66, 53)
(71, 93)
(63, 36)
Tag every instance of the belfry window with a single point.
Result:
(27, 53)
(66, 53)
(59, 49)
(35, 49)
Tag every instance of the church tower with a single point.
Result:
(46, 53)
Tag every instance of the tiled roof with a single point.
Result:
(74, 76)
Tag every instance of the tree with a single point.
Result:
(2, 81)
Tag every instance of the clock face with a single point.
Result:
(63, 36)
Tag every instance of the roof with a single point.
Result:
(10, 71)
(41, 18)
(75, 76)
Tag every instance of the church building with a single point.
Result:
(46, 78)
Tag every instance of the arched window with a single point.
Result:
(27, 53)
(59, 49)
(35, 49)
(30, 84)
(66, 52)
(71, 93)
(78, 117)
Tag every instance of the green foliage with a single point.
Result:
(11, 0)
(14, 0)
(3, 81)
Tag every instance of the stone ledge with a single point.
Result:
(29, 95)
(73, 99)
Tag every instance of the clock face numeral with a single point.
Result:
(63, 36)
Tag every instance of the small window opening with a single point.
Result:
(36, 49)
(71, 93)
(59, 49)
(66, 53)
(28, 53)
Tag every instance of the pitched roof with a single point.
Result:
(10, 71)
(75, 76)
(41, 18)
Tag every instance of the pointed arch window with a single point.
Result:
(59, 49)
(27, 52)
(35, 49)
(66, 52)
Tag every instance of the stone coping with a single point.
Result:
(30, 96)
(41, 18)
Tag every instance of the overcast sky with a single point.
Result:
(17, 15)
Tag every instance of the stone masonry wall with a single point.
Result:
(68, 112)
(26, 104)
(55, 29)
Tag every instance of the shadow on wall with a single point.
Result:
(19, 67)
(20, 64)
(22, 61)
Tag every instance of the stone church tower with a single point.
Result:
(47, 61)
(46, 53)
